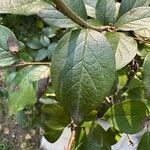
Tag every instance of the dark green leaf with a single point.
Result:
(6, 56)
(105, 11)
(83, 71)
(127, 116)
(145, 142)
(127, 5)
(146, 74)
(57, 117)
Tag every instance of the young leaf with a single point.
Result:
(53, 17)
(145, 141)
(124, 46)
(6, 56)
(22, 7)
(127, 5)
(105, 11)
(133, 20)
(127, 116)
(146, 74)
(83, 71)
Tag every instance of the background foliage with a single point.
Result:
(77, 62)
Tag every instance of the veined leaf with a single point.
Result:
(78, 7)
(22, 92)
(53, 17)
(124, 46)
(6, 56)
(127, 5)
(105, 11)
(127, 116)
(133, 20)
(83, 71)
(146, 74)
(20, 96)
(145, 141)
(22, 7)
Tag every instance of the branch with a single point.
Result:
(32, 63)
(75, 18)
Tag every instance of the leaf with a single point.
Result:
(6, 56)
(97, 139)
(22, 7)
(90, 7)
(105, 11)
(78, 7)
(52, 135)
(53, 17)
(20, 96)
(124, 46)
(144, 142)
(146, 74)
(133, 20)
(144, 32)
(83, 71)
(56, 118)
(127, 116)
(22, 92)
(127, 5)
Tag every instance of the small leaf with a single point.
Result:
(133, 20)
(127, 5)
(22, 7)
(146, 74)
(124, 46)
(53, 17)
(83, 71)
(144, 142)
(127, 116)
(105, 11)
(6, 55)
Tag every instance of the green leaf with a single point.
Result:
(133, 20)
(127, 116)
(83, 71)
(56, 117)
(127, 5)
(22, 7)
(146, 74)
(22, 92)
(52, 135)
(6, 57)
(144, 49)
(105, 11)
(144, 142)
(124, 46)
(97, 139)
(53, 17)
(20, 96)
(78, 7)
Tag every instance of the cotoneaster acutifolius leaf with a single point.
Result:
(6, 56)
(83, 71)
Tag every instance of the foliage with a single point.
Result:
(77, 62)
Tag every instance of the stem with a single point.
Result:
(71, 140)
(32, 63)
(75, 18)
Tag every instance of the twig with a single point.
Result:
(75, 18)
(129, 139)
